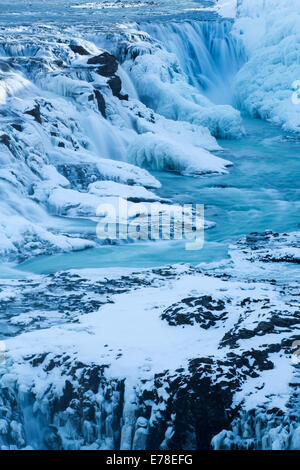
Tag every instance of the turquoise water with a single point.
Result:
(260, 192)
(62, 12)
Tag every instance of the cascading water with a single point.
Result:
(144, 359)
(207, 52)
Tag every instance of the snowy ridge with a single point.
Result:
(113, 4)
(102, 375)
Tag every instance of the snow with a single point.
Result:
(216, 54)
(113, 4)
(264, 86)
(64, 201)
(57, 148)
(135, 344)
(227, 8)
(110, 188)
(126, 173)
(92, 356)
(11, 84)
(162, 153)
(113, 325)
(20, 237)
(162, 85)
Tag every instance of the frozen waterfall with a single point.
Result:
(207, 52)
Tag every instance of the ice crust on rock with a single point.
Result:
(203, 348)
(67, 123)
(163, 153)
(102, 375)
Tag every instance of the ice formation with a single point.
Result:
(175, 357)
(207, 52)
(103, 375)
(70, 124)
(265, 85)
(162, 85)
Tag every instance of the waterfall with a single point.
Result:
(207, 52)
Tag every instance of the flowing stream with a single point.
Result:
(260, 192)
(60, 312)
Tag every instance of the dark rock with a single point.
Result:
(285, 322)
(261, 360)
(264, 328)
(101, 103)
(115, 85)
(108, 64)
(192, 310)
(263, 247)
(4, 139)
(61, 144)
(275, 411)
(59, 63)
(4, 66)
(18, 127)
(36, 113)
(79, 49)
(62, 402)
(52, 439)
(37, 360)
(199, 407)
(150, 118)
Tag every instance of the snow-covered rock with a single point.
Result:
(103, 375)
(68, 124)
(163, 153)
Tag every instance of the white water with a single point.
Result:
(107, 142)
(207, 52)
(260, 193)
(239, 203)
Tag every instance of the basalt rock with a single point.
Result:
(18, 127)
(80, 175)
(204, 311)
(36, 113)
(78, 49)
(4, 139)
(101, 103)
(115, 85)
(108, 64)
